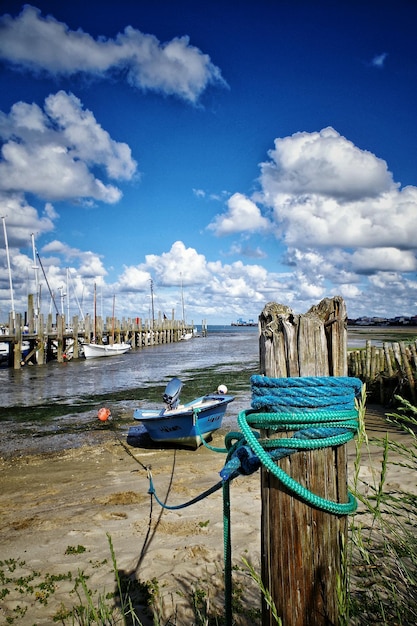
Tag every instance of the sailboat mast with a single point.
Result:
(95, 313)
(68, 299)
(153, 311)
(9, 269)
(37, 292)
(112, 323)
(75, 295)
(47, 284)
(182, 300)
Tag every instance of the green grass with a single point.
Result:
(383, 538)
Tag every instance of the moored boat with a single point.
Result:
(95, 350)
(186, 336)
(185, 424)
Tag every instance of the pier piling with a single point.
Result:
(301, 544)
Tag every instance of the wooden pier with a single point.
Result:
(55, 339)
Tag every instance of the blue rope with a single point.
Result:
(184, 505)
(280, 394)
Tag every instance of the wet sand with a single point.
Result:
(53, 503)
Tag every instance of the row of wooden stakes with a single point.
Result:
(386, 370)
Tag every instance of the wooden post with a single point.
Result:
(408, 371)
(17, 345)
(99, 329)
(31, 314)
(75, 345)
(41, 341)
(301, 545)
(87, 329)
(60, 326)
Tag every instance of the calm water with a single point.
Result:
(52, 407)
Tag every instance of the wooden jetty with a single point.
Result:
(55, 339)
(386, 370)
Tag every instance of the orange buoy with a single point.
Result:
(103, 414)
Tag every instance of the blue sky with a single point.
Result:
(252, 152)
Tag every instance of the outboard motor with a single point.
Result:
(171, 396)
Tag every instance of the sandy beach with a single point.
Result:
(53, 506)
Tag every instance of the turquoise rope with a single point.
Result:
(291, 484)
(321, 410)
(227, 554)
(205, 444)
(176, 507)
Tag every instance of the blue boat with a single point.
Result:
(185, 424)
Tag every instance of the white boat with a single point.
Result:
(4, 351)
(95, 350)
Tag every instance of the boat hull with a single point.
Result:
(94, 351)
(186, 425)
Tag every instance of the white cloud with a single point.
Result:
(326, 192)
(44, 44)
(338, 242)
(325, 164)
(237, 284)
(210, 288)
(49, 153)
(350, 292)
(134, 279)
(243, 215)
(86, 138)
(365, 261)
(348, 226)
(22, 219)
(245, 250)
(310, 288)
(89, 264)
(179, 264)
(389, 289)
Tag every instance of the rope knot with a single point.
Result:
(240, 458)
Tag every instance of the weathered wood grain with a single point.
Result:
(301, 545)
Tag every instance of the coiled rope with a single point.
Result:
(321, 410)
